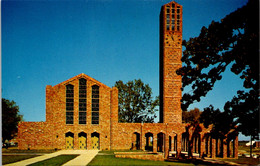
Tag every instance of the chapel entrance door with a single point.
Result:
(82, 141)
(95, 141)
(69, 140)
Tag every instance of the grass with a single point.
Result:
(55, 161)
(6, 159)
(246, 149)
(108, 158)
(112, 160)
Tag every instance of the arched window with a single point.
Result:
(95, 104)
(69, 103)
(82, 100)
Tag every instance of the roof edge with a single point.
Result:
(82, 75)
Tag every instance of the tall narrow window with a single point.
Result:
(69, 103)
(178, 18)
(82, 100)
(173, 17)
(168, 17)
(95, 104)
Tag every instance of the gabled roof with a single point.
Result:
(172, 3)
(82, 75)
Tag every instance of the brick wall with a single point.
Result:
(34, 135)
(155, 157)
(51, 134)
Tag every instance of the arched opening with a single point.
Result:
(95, 140)
(185, 142)
(207, 139)
(69, 138)
(170, 143)
(232, 148)
(149, 142)
(160, 142)
(82, 140)
(219, 147)
(136, 141)
(196, 145)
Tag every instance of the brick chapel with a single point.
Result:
(82, 113)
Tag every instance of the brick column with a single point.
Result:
(208, 145)
(166, 146)
(113, 116)
(49, 104)
(213, 148)
(143, 140)
(154, 143)
(76, 141)
(89, 141)
(236, 147)
(179, 136)
(225, 148)
(202, 146)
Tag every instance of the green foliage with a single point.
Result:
(192, 116)
(233, 41)
(222, 121)
(136, 103)
(10, 119)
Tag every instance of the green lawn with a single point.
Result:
(6, 159)
(111, 160)
(108, 158)
(55, 161)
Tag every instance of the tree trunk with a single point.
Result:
(190, 149)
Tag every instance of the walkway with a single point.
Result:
(85, 156)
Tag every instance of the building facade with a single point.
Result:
(82, 113)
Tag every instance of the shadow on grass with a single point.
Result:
(55, 161)
(244, 160)
(7, 159)
(28, 151)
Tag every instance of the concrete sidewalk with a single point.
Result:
(85, 156)
(83, 159)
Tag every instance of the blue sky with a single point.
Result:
(46, 42)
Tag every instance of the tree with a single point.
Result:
(192, 117)
(233, 41)
(136, 103)
(10, 119)
(222, 122)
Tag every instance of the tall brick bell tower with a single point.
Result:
(170, 61)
